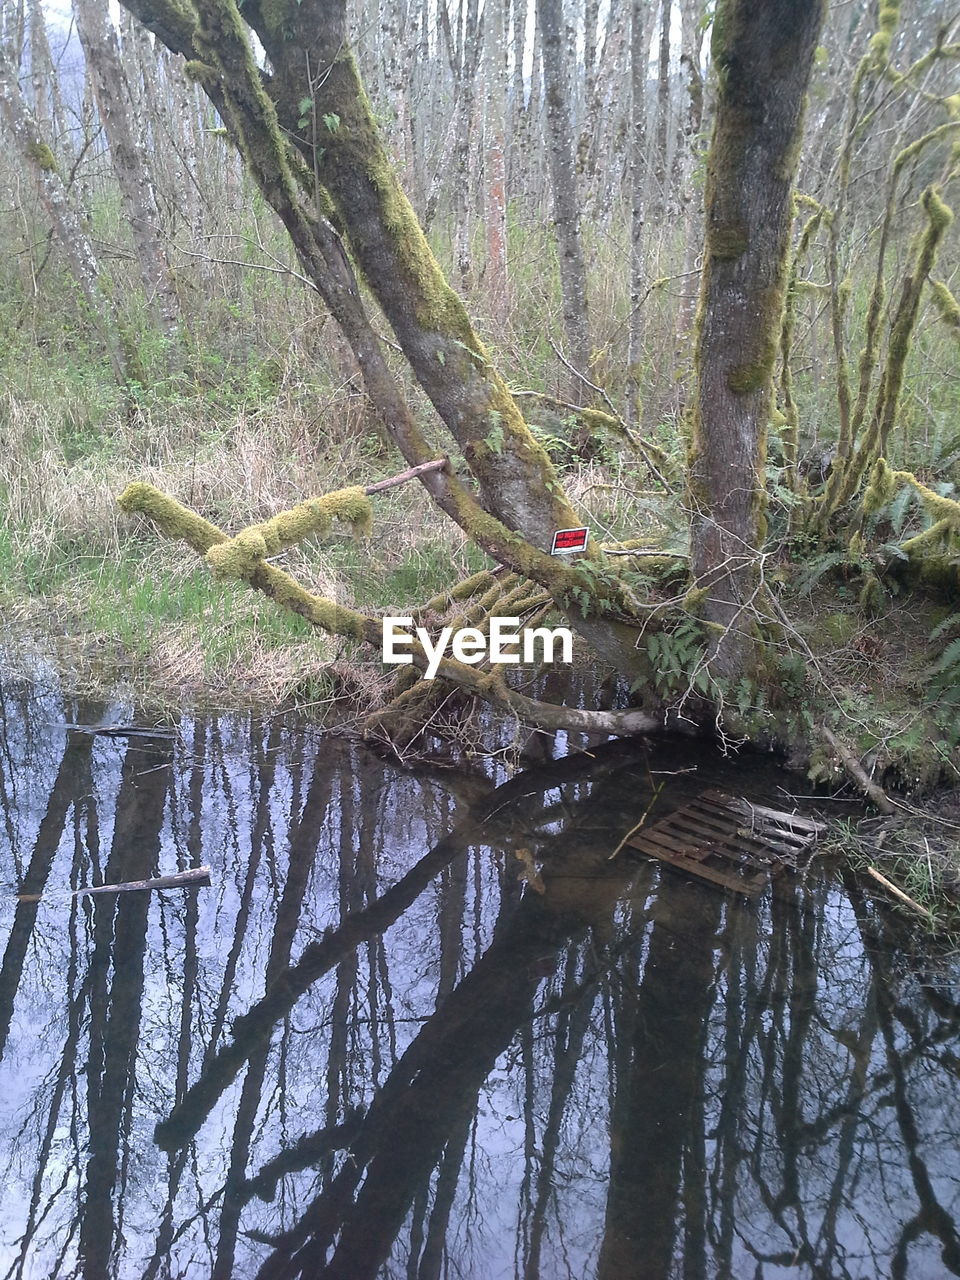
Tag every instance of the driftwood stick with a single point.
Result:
(797, 821)
(118, 730)
(857, 772)
(179, 880)
(410, 474)
(897, 893)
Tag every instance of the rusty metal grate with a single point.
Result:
(728, 840)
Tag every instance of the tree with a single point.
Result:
(563, 179)
(334, 149)
(72, 237)
(309, 139)
(102, 56)
(763, 56)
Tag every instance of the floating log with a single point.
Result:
(123, 730)
(179, 880)
(193, 877)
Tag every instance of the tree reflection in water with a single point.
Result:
(372, 1047)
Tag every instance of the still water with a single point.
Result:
(378, 1045)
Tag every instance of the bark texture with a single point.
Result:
(763, 56)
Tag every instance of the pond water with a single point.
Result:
(376, 1045)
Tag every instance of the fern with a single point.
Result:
(948, 624)
(811, 573)
(949, 660)
(897, 511)
(944, 687)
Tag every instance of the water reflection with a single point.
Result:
(378, 1044)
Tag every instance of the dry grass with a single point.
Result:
(120, 609)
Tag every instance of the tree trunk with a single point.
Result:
(494, 159)
(72, 239)
(689, 195)
(658, 200)
(563, 176)
(586, 152)
(763, 55)
(639, 53)
(130, 166)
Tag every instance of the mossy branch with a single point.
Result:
(848, 475)
(178, 521)
(946, 304)
(790, 430)
(238, 557)
(597, 420)
(943, 511)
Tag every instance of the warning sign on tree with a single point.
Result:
(566, 541)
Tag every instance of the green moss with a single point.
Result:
(200, 72)
(318, 610)
(694, 599)
(247, 563)
(910, 153)
(355, 147)
(839, 628)
(922, 543)
(42, 157)
(471, 586)
(227, 60)
(238, 557)
(946, 304)
(173, 519)
(278, 15)
(940, 541)
(888, 21)
(939, 214)
(727, 242)
(872, 596)
(743, 378)
(881, 488)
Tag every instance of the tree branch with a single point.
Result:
(248, 563)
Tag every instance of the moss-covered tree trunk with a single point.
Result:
(763, 54)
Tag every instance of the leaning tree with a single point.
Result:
(302, 121)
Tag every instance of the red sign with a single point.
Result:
(566, 541)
